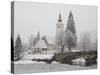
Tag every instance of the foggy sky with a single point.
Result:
(30, 18)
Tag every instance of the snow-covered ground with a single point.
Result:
(31, 68)
(73, 50)
(79, 61)
(27, 58)
(28, 66)
(33, 62)
(37, 56)
(55, 62)
(28, 62)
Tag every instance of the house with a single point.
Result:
(40, 46)
(44, 45)
(50, 43)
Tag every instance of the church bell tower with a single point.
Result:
(59, 32)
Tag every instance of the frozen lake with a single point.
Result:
(34, 68)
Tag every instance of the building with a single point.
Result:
(50, 43)
(59, 33)
(40, 46)
(44, 45)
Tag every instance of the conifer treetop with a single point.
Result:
(71, 23)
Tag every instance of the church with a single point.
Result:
(65, 38)
(45, 44)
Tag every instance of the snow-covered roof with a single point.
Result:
(40, 44)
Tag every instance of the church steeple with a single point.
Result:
(59, 33)
(59, 17)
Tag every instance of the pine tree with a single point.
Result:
(18, 47)
(71, 23)
(70, 33)
(38, 37)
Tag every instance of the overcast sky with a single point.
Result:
(30, 18)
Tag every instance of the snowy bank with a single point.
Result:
(28, 62)
(38, 56)
(79, 61)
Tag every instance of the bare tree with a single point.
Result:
(25, 46)
(31, 41)
(95, 45)
(85, 41)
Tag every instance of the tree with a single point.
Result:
(34, 41)
(71, 23)
(38, 37)
(31, 41)
(45, 39)
(85, 41)
(25, 46)
(70, 33)
(70, 41)
(96, 45)
(18, 47)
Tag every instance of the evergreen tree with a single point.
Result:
(70, 33)
(34, 41)
(38, 37)
(71, 23)
(18, 47)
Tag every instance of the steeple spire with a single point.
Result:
(59, 17)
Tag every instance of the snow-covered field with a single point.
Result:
(33, 68)
(33, 62)
(27, 59)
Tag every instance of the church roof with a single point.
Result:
(50, 40)
(59, 17)
(40, 44)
